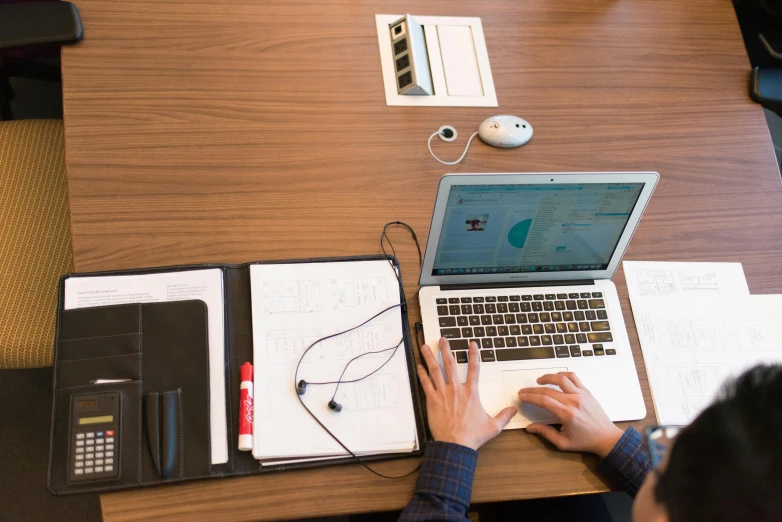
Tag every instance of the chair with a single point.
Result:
(28, 31)
(35, 250)
(35, 241)
(761, 25)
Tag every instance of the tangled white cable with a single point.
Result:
(448, 133)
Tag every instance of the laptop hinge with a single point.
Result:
(518, 284)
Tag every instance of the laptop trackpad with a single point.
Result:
(513, 381)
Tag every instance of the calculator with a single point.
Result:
(95, 436)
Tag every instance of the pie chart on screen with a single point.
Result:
(518, 233)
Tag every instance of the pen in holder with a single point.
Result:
(163, 420)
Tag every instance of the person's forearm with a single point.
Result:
(628, 463)
(444, 486)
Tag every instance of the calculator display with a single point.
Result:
(96, 420)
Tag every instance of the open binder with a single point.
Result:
(151, 361)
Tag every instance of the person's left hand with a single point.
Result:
(454, 409)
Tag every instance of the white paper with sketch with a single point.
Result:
(684, 279)
(206, 285)
(292, 306)
(692, 345)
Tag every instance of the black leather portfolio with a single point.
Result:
(146, 420)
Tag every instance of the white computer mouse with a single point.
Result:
(505, 131)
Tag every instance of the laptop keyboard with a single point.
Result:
(523, 327)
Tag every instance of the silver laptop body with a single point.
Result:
(521, 264)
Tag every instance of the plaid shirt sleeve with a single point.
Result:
(628, 463)
(444, 485)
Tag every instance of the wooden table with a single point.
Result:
(242, 130)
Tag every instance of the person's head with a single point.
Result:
(726, 465)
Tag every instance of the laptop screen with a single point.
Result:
(533, 228)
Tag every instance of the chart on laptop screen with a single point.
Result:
(533, 228)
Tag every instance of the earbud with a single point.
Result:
(447, 133)
(301, 387)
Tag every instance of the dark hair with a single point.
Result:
(727, 464)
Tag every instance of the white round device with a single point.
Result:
(505, 131)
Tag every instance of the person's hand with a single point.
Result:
(454, 409)
(585, 426)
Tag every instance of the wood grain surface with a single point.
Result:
(242, 130)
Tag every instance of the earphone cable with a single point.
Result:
(384, 235)
(340, 381)
(403, 303)
(429, 144)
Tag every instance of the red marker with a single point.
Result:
(246, 408)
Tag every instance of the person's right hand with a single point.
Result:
(585, 426)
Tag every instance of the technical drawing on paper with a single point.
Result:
(683, 333)
(691, 408)
(646, 327)
(291, 296)
(370, 338)
(750, 335)
(656, 282)
(286, 346)
(369, 292)
(699, 281)
(695, 381)
(380, 391)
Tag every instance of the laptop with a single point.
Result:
(522, 264)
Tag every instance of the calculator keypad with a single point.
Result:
(93, 456)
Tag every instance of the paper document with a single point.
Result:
(674, 280)
(296, 304)
(692, 345)
(206, 285)
(319, 459)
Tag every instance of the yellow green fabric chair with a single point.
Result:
(35, 239)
